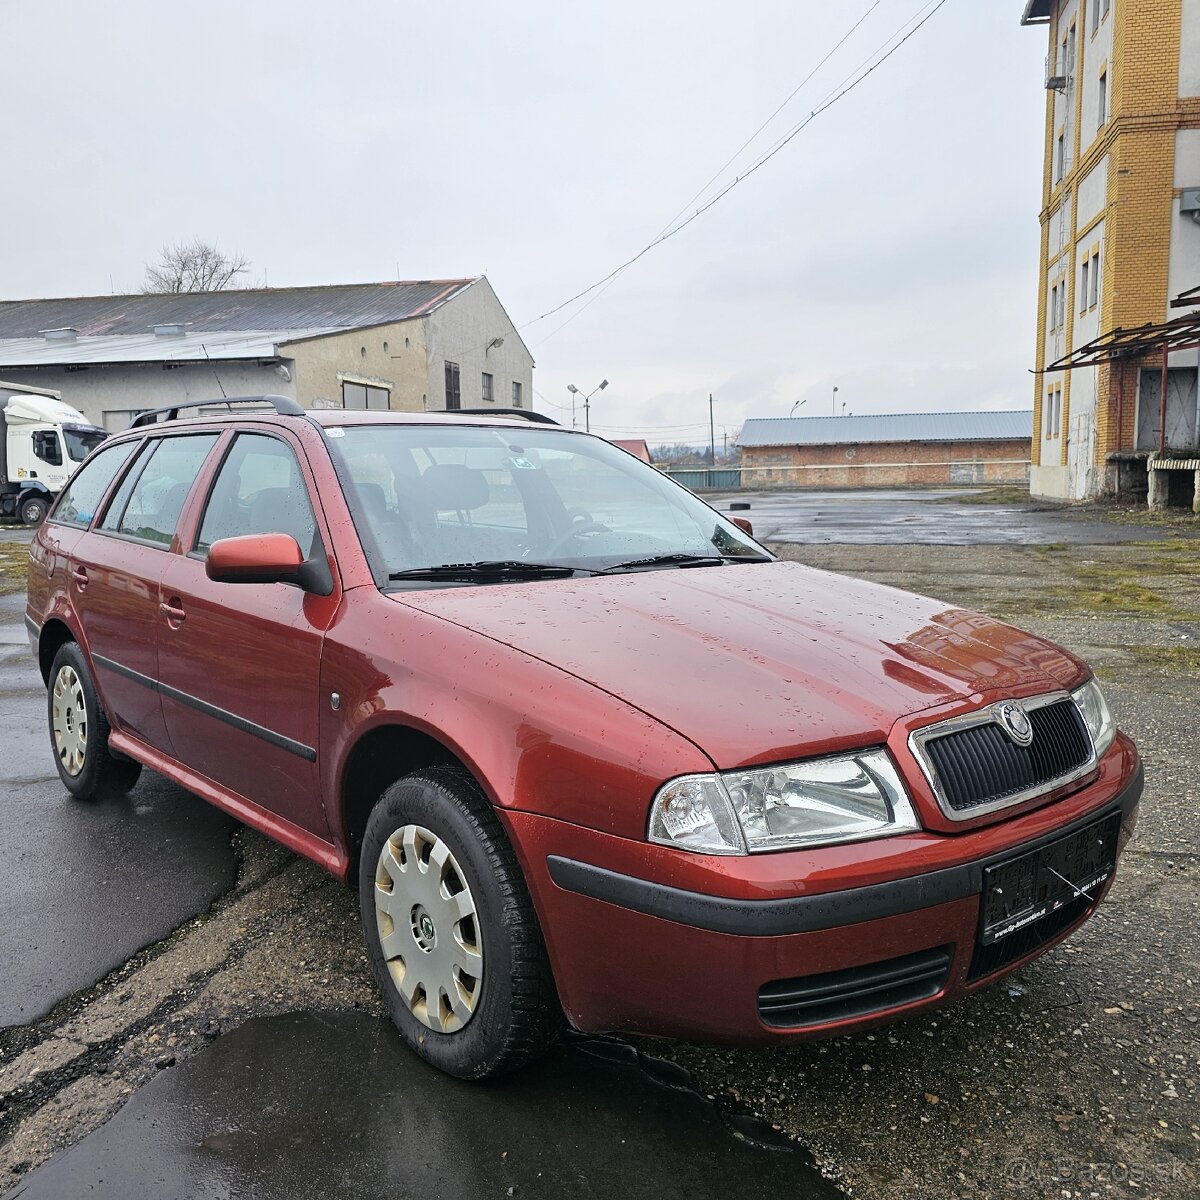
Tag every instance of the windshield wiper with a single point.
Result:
(683, 561)
(490, 569)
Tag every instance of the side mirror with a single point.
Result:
(743, 524)
(255, 558)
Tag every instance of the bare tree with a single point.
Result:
(194, 266)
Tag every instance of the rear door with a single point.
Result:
(240, 662)
(115, 572)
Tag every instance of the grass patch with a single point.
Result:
(14, 564)
(997, 495)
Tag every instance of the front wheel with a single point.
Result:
(33, 510)
(450, 929)
(79, 732)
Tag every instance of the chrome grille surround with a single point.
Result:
(990, 715)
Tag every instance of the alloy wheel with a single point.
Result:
(428, 929)
(69, 720)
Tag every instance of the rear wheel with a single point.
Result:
(451, 931)
(79, 732)
(33, 510)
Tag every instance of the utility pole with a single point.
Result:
(725, 443)
(712, 435)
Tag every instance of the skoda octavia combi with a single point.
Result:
(591, 754)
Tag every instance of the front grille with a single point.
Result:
(982, 765)
(1025, 941)
(854, 992)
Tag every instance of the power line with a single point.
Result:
(755, 166)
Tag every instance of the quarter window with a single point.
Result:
(259, 489)
(78, 500)
(149, 507)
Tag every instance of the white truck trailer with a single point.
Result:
(42, 441)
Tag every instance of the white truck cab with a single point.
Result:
(42, 441)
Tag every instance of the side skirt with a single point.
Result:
(272, 825)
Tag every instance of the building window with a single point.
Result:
(488, 393)
(1104, 7)
(1054, 308)
(1095, 295)
(1060, 157)
(362, 395)
(1071, 53)
(453, 386)
(1095, 16)
(1052, 417)
(516, 403)
(1102, 101)
(1083, 286)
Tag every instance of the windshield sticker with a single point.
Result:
(520, 464)
(335, 433)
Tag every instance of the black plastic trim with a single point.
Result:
(33, 627)
(805, 914)
(211, 710)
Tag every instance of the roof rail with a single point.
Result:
(526, 414)
(284, 405)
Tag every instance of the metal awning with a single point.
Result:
(1181, 333)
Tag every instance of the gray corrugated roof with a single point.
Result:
(887, 427)
(341, 306)
(146, 347)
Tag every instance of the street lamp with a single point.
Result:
(797, 405)
(833, 410)
(587, 424)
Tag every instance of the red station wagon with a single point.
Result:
(585, 745)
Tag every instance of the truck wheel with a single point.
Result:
(33, 510)
(450, 929)
(79, 733)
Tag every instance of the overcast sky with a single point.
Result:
(890, 249)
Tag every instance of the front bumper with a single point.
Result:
(656, 956)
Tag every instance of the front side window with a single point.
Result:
(259, 489)
(78, 500)
(147, 507)
(439, 496)
(47, 447)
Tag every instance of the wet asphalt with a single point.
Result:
(85, 886)
(903, 517)
(333, 1104)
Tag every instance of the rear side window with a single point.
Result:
(148, 507)
(78, 500)
(259, 489)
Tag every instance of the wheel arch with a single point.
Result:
(54, 635)
(377, 759)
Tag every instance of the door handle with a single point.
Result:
(80, 575)
(173, 610)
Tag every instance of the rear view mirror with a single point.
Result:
(743, 524)
(255, 558)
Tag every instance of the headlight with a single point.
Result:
(817, 803)
(1091, 703)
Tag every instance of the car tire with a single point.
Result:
(34, 509)
(79, 732)
(449, 854)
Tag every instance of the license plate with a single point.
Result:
(1023, 890)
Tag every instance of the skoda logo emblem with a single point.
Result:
(1015, 722)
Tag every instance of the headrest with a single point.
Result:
(448, 486)
(373, 497)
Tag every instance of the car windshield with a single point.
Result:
(510, 502)
(81, 442)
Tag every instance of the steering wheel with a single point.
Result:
(580, 523)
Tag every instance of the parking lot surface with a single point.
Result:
(1077, 1077)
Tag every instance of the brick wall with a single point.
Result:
(887, 464)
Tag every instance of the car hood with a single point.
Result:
(760, 662)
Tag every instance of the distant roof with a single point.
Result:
(1037, 12)
(338, 306)
(888, 427)
(635, 446)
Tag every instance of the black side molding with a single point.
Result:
(803, 914)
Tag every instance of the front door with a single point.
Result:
(240, 662)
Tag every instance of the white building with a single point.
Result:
(429, 344)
